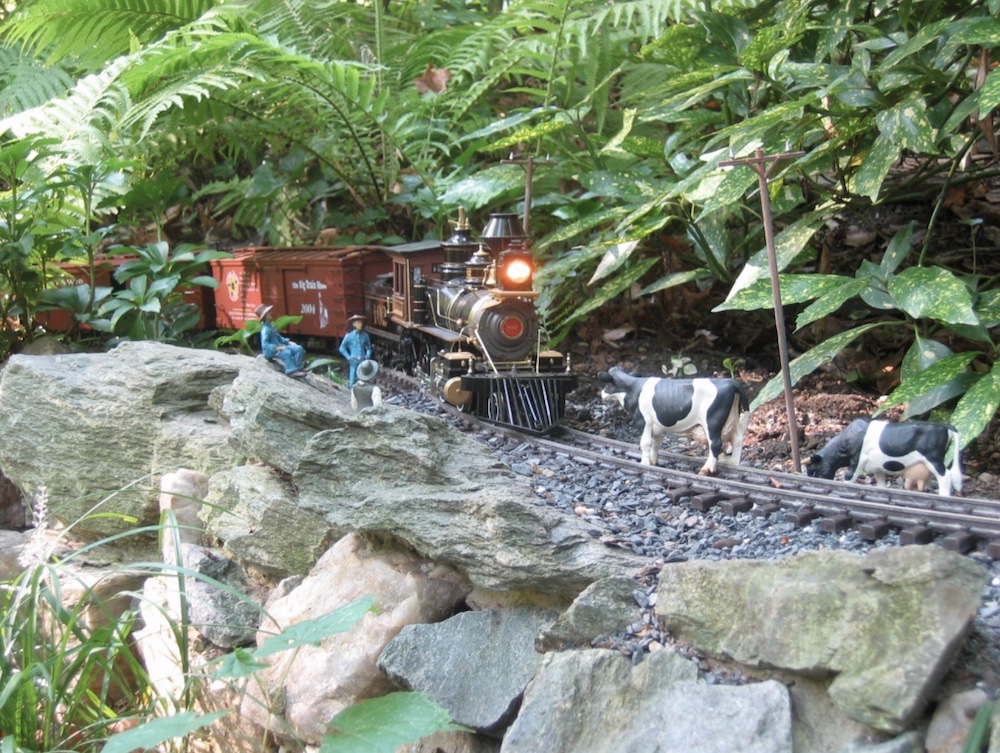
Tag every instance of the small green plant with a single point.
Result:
(63, 670)
(732, 365)
(244, 338)
(927, 300)
(151, 306)
(680, 366)
(70, 678)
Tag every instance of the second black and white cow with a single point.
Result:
(916, 450)
(716, 407)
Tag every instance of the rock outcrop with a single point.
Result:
(486, 600)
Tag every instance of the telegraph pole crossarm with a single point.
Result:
(761, 163)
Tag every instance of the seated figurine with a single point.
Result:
(365, 393)
(277, 347)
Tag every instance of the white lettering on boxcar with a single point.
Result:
(308, 285)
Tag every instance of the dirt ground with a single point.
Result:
(824, 402)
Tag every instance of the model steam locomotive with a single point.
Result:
(459, 312)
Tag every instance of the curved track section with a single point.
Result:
(962, 524)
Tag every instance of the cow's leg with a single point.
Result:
(879, 475)
(714, 450)
(646, 446)
(944, 484)
(654, 448)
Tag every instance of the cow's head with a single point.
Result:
(613, 388)
(819, 467)
(840, 451)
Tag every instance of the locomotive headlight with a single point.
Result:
(515, 272)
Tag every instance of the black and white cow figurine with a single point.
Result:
(917, 450)
(717, 407)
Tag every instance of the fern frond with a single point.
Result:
(84, 119)
(95, 31)
(26, 83)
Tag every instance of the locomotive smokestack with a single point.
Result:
(500, 230)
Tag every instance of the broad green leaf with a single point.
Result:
(932, 293)
(830, 302)
(310, 632)
(150, 734)
(527, 134)
(239, 663)
(794, 289)
(988, 307)
(672, 280)
(897, 250)
(382, 725)
(989, 93)
(937, 374)
(622, 185)
(484, 187)
(809, 361)
(613, 259)
(978, 32)
(974, 332)
(875, 167)
(788, 244)
(922, 355)
(875, 295)
(927, 34)
(907, 126)
(628, 118)
(978, 407)
(924, 404)
(615, 287)
(731, 189)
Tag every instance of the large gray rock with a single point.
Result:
(390, 471)
(106, 421)
(253, 510)
(476, 664)
(604, 608)
(595, 701)
(883, 627)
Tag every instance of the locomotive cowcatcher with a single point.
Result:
(458, 312)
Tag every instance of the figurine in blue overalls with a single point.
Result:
(356, 346)
(277, 347)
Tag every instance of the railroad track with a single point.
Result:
(961, 524)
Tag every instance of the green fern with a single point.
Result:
(26, 83)
(96, 31)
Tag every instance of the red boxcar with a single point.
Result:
(323, 285)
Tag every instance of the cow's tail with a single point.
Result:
(953, 463)
(740, 413)
(742, 391)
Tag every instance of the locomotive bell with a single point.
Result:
(500, 230)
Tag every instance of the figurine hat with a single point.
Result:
(261, 311)
(356, 317)
(367, 370)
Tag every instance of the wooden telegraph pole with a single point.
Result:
(529, 167)
(759, 163)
